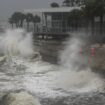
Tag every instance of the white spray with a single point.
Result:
(16, 42)
(76, 74)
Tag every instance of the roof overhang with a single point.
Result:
(51, 10)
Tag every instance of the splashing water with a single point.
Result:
(20, 98)
(40, 77)
(77, 75)
(16, 42)
(24, 68)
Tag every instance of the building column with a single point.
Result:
(62, 23)
(46, 22)
(42, 22)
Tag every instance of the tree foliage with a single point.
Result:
(70, 3)
(17, 18)
(29, 17)
(54, 4)
(36, 19)
(75, 17)
(94, 8)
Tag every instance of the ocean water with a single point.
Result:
(70, 82)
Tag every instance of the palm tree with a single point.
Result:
(22, 18)
(11, 21)
(54, 4)
(100, 11)
(29, 18)
(95, 8)
(68, 3)
(36, 19)
(17, 18)
(79, 2)
(75, 18)
(89, 12)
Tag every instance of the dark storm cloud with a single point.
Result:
(7, 7)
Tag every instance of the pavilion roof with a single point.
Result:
(51, 10)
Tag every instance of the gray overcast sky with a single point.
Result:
(7, 7)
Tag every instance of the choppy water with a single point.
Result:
(22, 69)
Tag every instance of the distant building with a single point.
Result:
(53, 19)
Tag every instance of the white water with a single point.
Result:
(16, 42)
(22, 70)
(77, 74)
(20, 98)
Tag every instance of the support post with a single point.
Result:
(46, 22)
